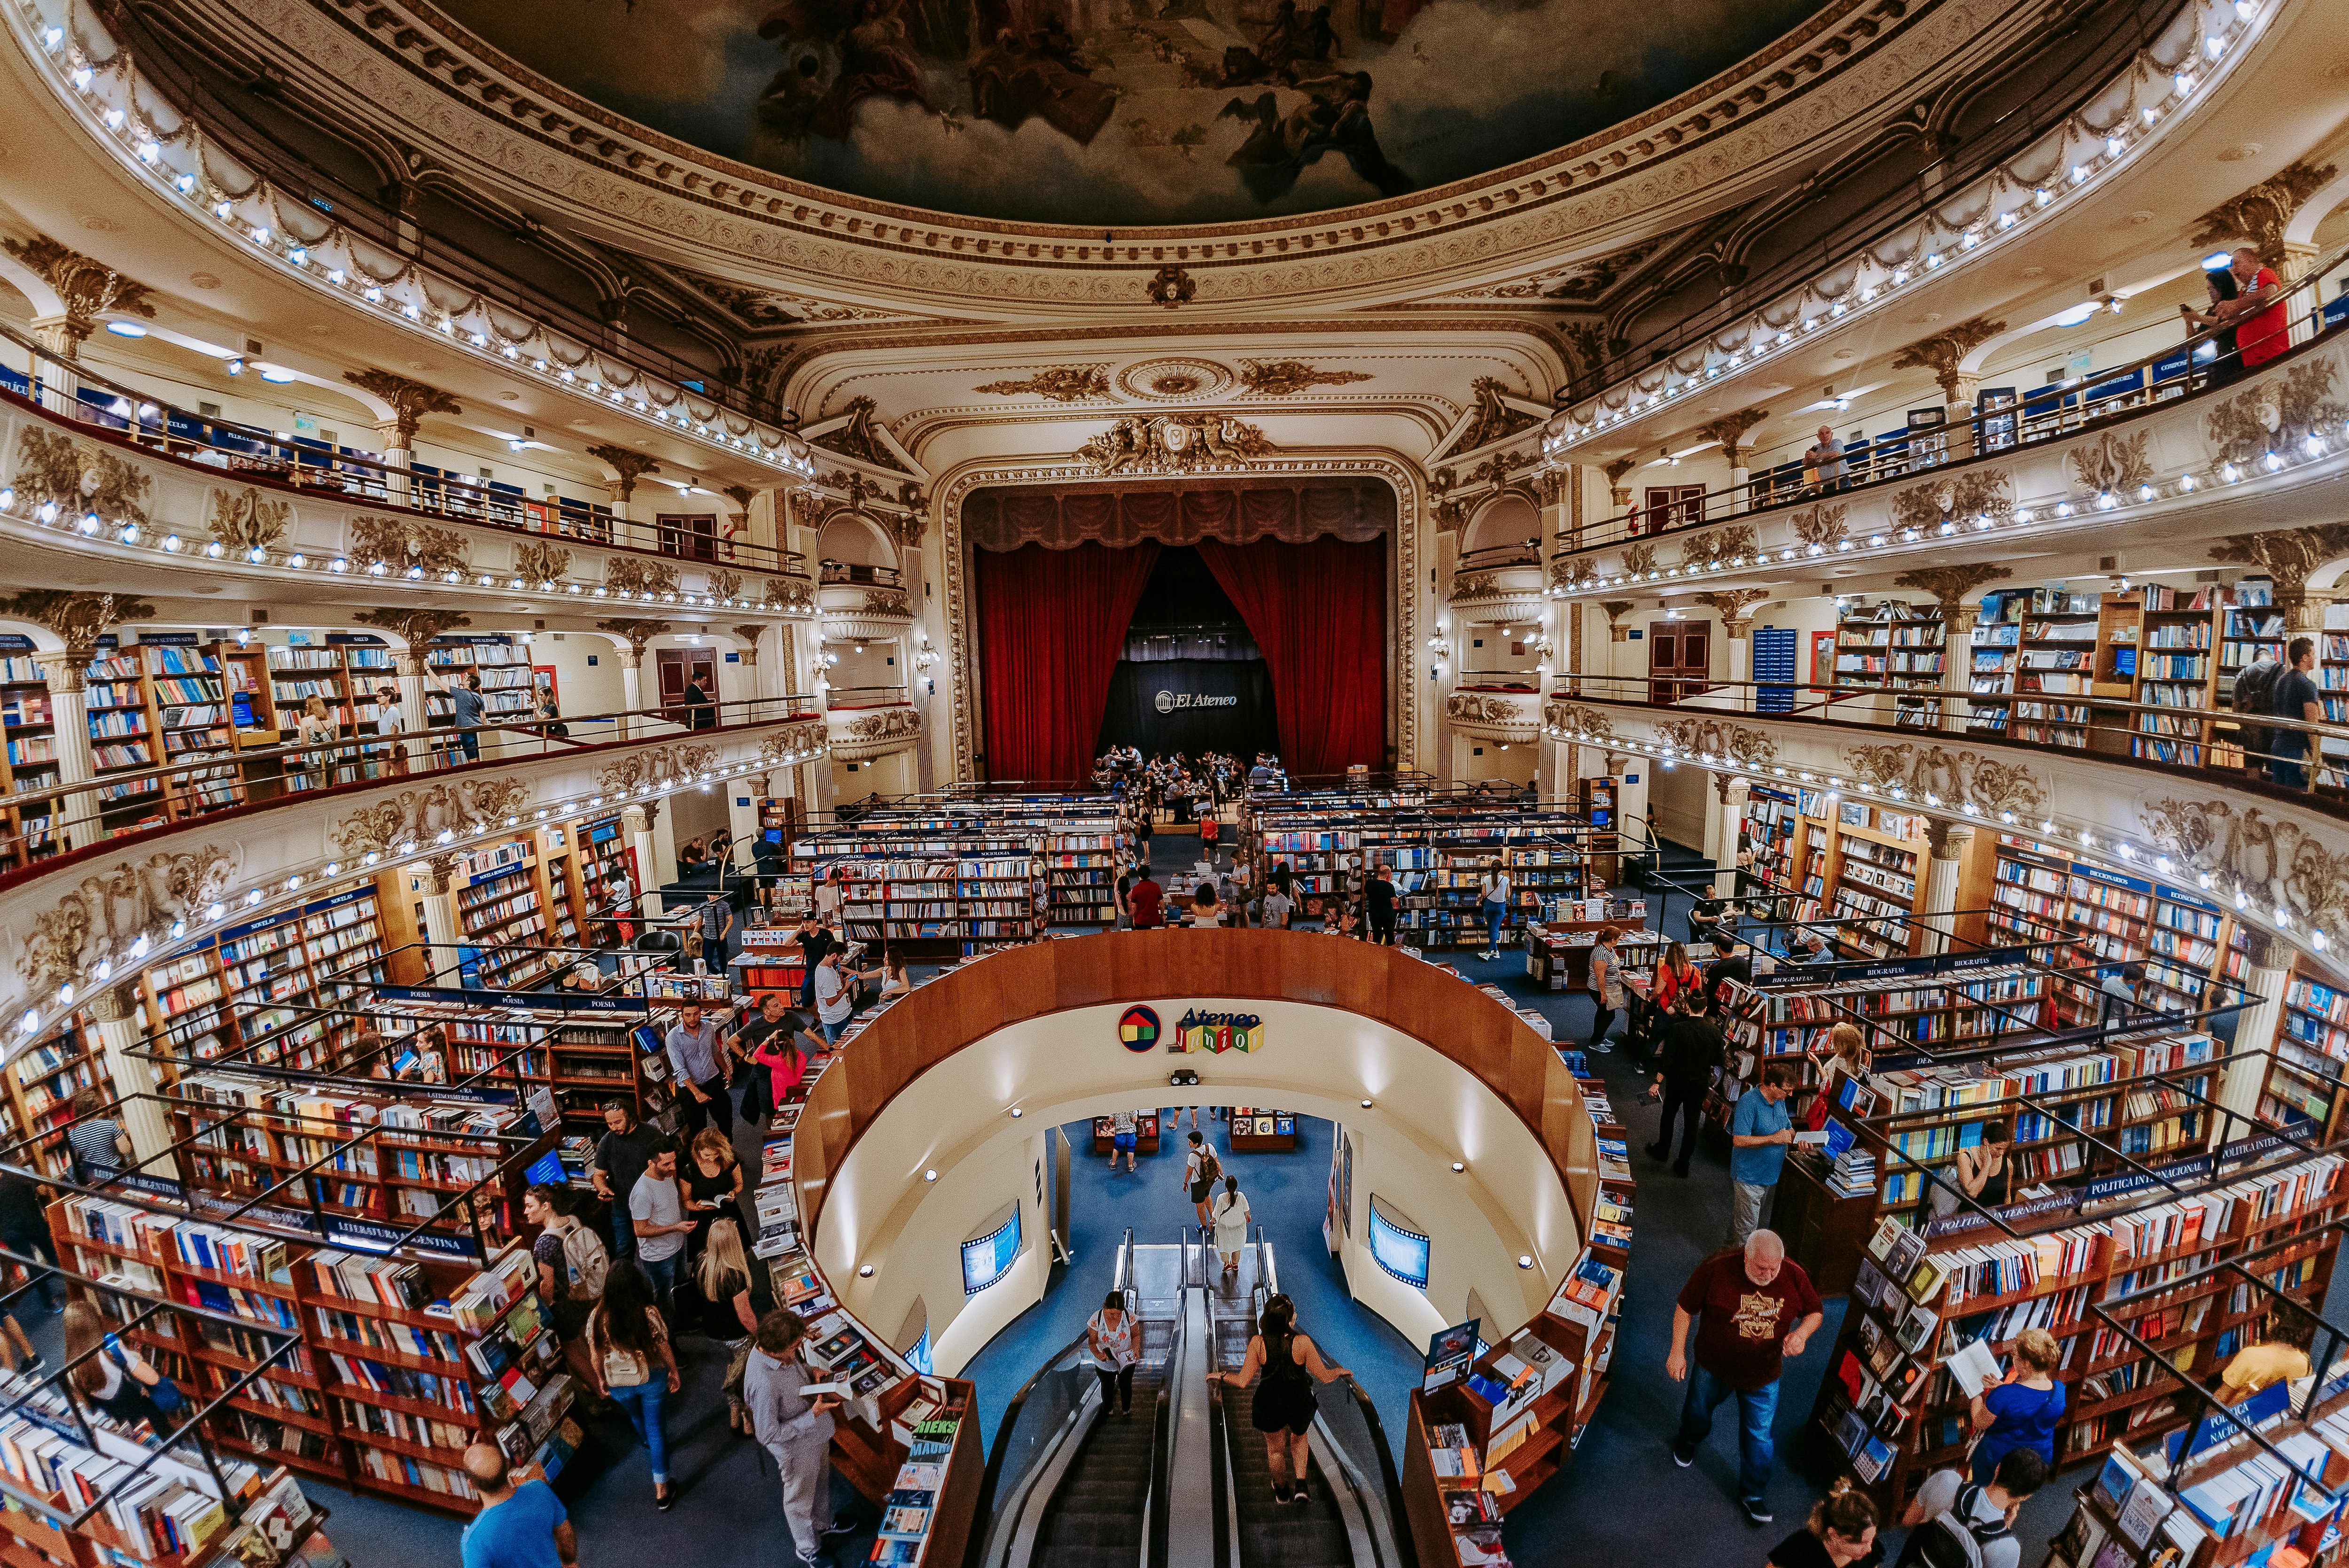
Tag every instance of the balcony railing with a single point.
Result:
(2000, 423)
(314, 467)
(840, 697)
(125, 805)
(861, 575)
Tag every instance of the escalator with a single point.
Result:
(1309, 1534)
(1092, 1520)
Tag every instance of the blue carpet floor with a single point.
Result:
(1621, 1500)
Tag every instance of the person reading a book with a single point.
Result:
(1759, 1131)
(521, 1523)
(1751, 1309)
(2024, 1411)
(1284, 1404)
(2278, 1354)
(1839, 1533)
(794, 1427)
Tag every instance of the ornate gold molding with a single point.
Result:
(113, 908)
(654, 766)
(401, 543)
(2259, 215)
(80, 619)
(245, 519)
(1617, 632)
(419, 815)
(2255, 854)
(53, 469)
(540, 561)
(1943, 353)
(630, 465)
(2287, 555)
(1062, 384)
(1173, 444)
(1718, 737)
(1730, 430)
(633, 574)
(409, 400)
(417, 628)
(1731, 605)
(1936, 775)
(1823, 525)
(1280, 377)
(749, 638)
(638, 635)
(88, 289)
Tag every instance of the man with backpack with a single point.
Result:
(1953, 1524)
(572, 1265)
(2249, 698)
(1201, 1171)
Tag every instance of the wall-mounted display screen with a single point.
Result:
(1396, 1247)
(986, 1258)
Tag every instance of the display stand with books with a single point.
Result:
(1255, 1129)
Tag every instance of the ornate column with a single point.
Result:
(737, 522)
(1950, 841)
(410, 401)
(630, 466)
(1730, 430)
(415, 629)
(757, 674)
(640, 819)
(116, 1011)
(1952, 587)
(2267, 971)
(1619, 637)
(1621, 492)
(1942, 354)
(2287, 555)
(86, 291)
(443, 927)
(638, 635)
(1734, 606)
(78, 620)
(1729, 795)
(2259, 216)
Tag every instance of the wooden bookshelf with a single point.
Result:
(28, 763)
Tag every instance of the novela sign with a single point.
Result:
(1168, 701)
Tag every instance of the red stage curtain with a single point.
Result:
(1319, 611)
(1050, 623)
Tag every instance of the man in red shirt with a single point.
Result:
(1754, 1309)
(1144, 898)
(2266, 329)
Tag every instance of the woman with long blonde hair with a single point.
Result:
(108, 1375)
(732, 1286)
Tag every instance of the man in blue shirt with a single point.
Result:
(519, 1526)
(465, 711)
(1759, 1131)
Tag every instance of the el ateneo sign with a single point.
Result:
(1138, 1030)
(1171, 701)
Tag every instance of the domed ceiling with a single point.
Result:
(1126, 112)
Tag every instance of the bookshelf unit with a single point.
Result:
(2311, 1043)
(1891, 1403)
(29, 761)
(954, 894)
(274, 985)
(2188, 944)
(507, 690)
(2175, 668)
(1896, 649)
(385, 1392)
(1080, 874)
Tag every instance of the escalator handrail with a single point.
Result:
(1227, 1503)
(983, 1522)
(1155, 1513)
(1376, 1506)
(1390, 1478)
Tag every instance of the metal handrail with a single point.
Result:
(1812, 703)
(1985, 432)
(435, 750)
(285, 464)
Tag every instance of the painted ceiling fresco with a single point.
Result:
(1125, 112)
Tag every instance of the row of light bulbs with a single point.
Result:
(2308, 448)
(782, 452)
(237, 905)
(1595, 417)
(2097, 843)
(92, 526)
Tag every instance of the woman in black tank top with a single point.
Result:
(1285, 1405)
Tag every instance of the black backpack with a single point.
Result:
(2254, 684)
(1953, 1538)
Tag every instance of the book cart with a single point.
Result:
(81, 1490)
(382, 1229)
(2125, 1238)
(1484, 1434)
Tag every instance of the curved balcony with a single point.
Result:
(170, 513)
(75, 920)
(2129, 789)
(865, 722)
(2150, 453)
(1495, 707)
(862, 602)
(1497, 586)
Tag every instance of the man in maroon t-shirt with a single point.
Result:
(1144, 899)
(1754, 1308)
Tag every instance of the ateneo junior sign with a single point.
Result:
(1138, 1030)
(1168, 701)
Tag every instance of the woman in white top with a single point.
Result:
(1113, 1335)
(315, 728)
(1205, 910)
(895, 981)
(1494, 892)
(389, 721)
(1231, 1215)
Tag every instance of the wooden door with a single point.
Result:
(693, 537)
(675, 667)
(1680, 658)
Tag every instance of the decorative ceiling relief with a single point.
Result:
(856, 434)
(1174, 380)
(1941, 776)
(53, 469)
(1582, 283)
(2254, 854)
(246, 520)
(418, 816)
(1066, 384)
(113, 910)
(1167, 111)
(1279, 378)
(2286, 407)
(1173, 444)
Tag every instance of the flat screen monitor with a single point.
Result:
(1396, 1248)
(547, 1171)
(986, 1258)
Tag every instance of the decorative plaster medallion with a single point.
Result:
(1174, 380)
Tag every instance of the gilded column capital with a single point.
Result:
(409, 400)
(631, 465)
(1943, 353)
(78, 619)
(85, 287)
(2259, 216)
